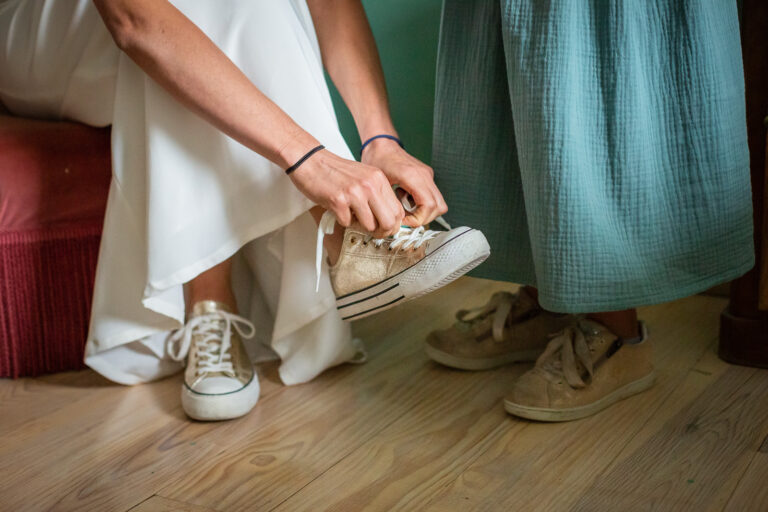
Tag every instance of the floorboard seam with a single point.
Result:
(746, 466)
(738, 481)
(141, 502)
(493, 435)
(650, 416)
(339, 460)
(383, 362)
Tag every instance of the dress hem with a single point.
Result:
(668, 294)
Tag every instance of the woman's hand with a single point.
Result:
(348, 188)
(412, 175)
(351, 59)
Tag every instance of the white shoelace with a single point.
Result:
(406, 237)
(215, 342)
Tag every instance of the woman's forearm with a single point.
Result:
(180, 57)
(352, 60)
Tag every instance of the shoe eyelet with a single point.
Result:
(352, 240)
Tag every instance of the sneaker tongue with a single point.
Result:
(209, 306)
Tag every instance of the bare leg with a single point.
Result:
(213, 284)
(216, 282)
(622, 323)
(332, 242)
(533, 292)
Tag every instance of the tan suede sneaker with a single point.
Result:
(373, 275)
(508, 329)
(583, 370)
(219, 380)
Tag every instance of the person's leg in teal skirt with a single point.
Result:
(601, 147)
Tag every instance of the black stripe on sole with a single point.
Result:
(374, 309)
(370, 297)
(406, 269)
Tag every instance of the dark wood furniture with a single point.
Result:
(744, 323)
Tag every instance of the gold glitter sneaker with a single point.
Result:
(373, 275)
(220, 382)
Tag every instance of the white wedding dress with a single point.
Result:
(185, 197)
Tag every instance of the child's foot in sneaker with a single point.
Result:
(220, 382)
(373, 275)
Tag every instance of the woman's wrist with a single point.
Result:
(297, 144)
(309, 154)
(380, 148)
(377, 124)
(377, 141)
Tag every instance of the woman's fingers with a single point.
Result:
(395, 206)
(399, 210)
(342, 212)
(384, 205)
(442, 206)
(387, 216)
(423, 193)
(413, 176)
(351, 191)
(364, 215)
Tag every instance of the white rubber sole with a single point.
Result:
(575, 413)
(225, 406)
(476, 364)
(453, 259)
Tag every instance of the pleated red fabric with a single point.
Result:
(46, 283)
(54, 180)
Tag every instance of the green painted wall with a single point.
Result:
(406, 32)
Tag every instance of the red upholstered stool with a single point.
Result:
(54, 180)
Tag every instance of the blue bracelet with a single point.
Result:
(383, 136)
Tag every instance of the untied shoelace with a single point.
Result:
(500, 306)
(573, 348)
(406, 236)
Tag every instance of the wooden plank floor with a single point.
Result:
(399, 433)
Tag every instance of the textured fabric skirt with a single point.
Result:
(185, 197)
(599, 145)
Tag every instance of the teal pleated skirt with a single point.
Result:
(599, 144)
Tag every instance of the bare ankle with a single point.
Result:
(533, 292)
(213, 284)
(622, 323)
(226, 298)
